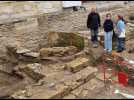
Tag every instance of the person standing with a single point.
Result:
(120, 33)
(93, 23)
(108, 29)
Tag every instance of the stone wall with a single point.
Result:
(22, 8)
(19, 21)
(33, 30)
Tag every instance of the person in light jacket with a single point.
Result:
(121, 24)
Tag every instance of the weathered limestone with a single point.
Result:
(28, 24)
(77, 64)
(57, 51)
(33, 70)
(87, 90)
(62, 89)
(32, 54)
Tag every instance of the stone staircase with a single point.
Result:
(66, 85)
(75, 75)
(56, 80)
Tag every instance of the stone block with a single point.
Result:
(62, 89)
(33, 70)
(57, 51)
(77, 64)
(32, 54)
(88, 89)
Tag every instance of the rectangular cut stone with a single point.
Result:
(86, 74)
(57, 51)
(77, 64)
(93, 85)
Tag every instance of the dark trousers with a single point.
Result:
(94, 35)
(120, 44)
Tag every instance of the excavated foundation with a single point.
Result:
(60, 65)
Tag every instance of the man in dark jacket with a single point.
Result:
(93, 23)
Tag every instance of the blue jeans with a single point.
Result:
(94, 35)
(120, 44)
(108, 41)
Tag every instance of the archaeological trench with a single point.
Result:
(55, 59)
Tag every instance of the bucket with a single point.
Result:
(122, 78)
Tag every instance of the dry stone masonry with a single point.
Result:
(45, 52)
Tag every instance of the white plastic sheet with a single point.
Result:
(71, 3)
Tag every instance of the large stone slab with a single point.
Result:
(77, 64)
(65, 87)
(57, 51)
(87, 90)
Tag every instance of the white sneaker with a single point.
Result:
(105, 49)
(95, 45)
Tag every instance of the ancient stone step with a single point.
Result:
(65, 58)
(57, 51)
(77, 64)
(86, 91)
(65, 87)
